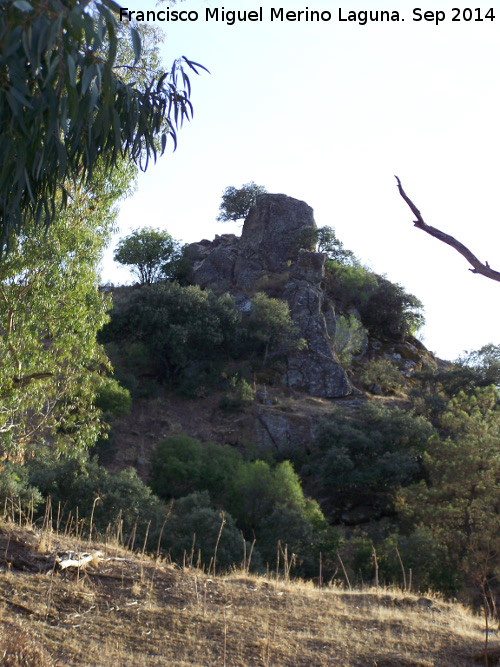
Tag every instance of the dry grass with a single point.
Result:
(140, 612)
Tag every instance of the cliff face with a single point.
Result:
(270, 256)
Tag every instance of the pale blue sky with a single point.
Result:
(328, 113)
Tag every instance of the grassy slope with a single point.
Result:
(136, 611)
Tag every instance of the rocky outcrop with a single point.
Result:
(270, 237)
(213, 261)
(315, 370)
(268, 257)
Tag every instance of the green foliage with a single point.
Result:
(435, 387)
(270, 503)
(152, 253)
(50, 312)
(386, 308)
(271, 327)
(193, 530)
(458, 504)
(264, 501)
(172, 333)
(239, 394)
(484, 363)
(61, 91)
(325, 241)
(76, 483)
(391, 311)
(349, 285)
(236, 202)
(349, 338)
(113, 399)
(329, 244)
(176, 466)
(307, 240)
(15, 489)
(383, 373)
(367, 457)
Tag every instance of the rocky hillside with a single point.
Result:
(275, 255)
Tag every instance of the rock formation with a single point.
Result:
(268, 257)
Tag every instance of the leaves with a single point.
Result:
(150, 252)
(65, 106)
(23, 5)
(50, 311)
(136, 42)
(236, 202)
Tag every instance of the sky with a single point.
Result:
(328, 112)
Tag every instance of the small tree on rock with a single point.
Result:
(236, 202)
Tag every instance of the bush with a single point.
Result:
(386, 309)
(239, 394)
(76, 483)
(113, 399)
(383, 373)
(176, 335)
(15, 486)
(350, 335)
(266, 502)
(271, 327)
(390, 311)
(365, 458)
(193, 529)
(181, 465)
(349, 285)
(176, 466)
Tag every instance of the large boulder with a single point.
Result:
(272, 256)
(212, 262)
(270, 237)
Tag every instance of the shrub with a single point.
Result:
(76, 483)
(390, 311)
(182, 465)
(176, 466)
(271, 327)
(350, 335)
(386, 308)
(239, 394)
(113, 399)
(174, 334)
(364, 458)
(193, 529)
(349, 285)
(266, 502)
(383, 373)
(15, 486)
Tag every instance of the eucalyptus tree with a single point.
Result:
(50, 311)
(66, 107)
(68, 79)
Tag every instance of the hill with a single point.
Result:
(138, 611)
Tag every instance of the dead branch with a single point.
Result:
(75, 559)
(478, 267)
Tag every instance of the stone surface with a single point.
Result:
(315, 370)
(270, 236)
(267, 258)
(213, 261)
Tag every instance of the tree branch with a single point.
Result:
(478, 267)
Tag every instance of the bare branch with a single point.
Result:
(479, 267)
